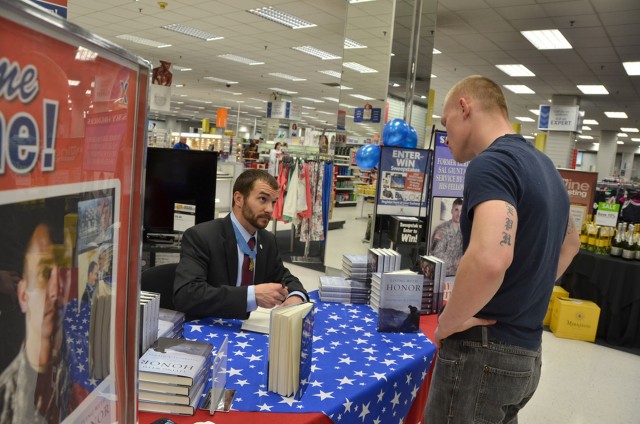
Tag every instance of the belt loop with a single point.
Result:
(485, 337)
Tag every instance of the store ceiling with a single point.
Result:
(473, 36)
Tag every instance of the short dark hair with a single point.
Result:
(277, 144)
(92, 266)
(456, 202)
(244, 182)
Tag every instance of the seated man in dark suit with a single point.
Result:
(230, 266)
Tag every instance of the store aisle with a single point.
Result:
(582, 383)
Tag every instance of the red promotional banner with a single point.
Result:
(71, 154)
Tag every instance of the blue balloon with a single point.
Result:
(368, 156)
(412, 139)
(395, 132)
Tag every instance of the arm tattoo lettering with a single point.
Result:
(509, 209)
(508, 224)
(506, 240)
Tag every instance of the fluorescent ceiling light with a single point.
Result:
(310, 99)
(74, 83)
(395, 84)
(547, 39)
(436, 51)
(347, 106)
(179, 85)
(359, 68)
(535, 111)
(360, 96)
(222, 80)
(632, 68)
(359, 1)
(325, 112)
(528, 137)
(516, 70)
(585, 137)
(436, 116)
(143, 41)
(592, 89)
(616, 115)
(286, 76)
(434, 76)
(519, 89)
(332, 99)
(586, 128)
(180, 68)
(228, 92)
(633, 130)
(423, 97)
(620, 142)
(192, 32)
(258, 100)
(622, 135)
(635, 139)
(525, 119)
(590, 122)
(344, 87)
(316, 52)
(85, 55)
(334, 74)
(282, 18)
(308, 107)
(240, 59)
(282, 90)
(352, 44)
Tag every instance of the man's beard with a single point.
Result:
(252, 219)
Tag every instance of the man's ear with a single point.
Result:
(238, 198)
(22, 295)
(465, 107)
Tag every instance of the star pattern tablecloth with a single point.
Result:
(358, 374)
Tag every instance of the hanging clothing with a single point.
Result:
(283, 179)
(327, 190)
(312, 228)
(289, 213)
(305, 199)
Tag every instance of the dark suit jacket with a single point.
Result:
(205, 283)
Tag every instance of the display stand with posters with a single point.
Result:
(72, 140)
(581, 186)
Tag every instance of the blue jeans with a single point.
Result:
(486, 384)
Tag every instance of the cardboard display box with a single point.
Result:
(558, 291)
(575, 319)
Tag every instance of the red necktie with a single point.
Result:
(248, 265)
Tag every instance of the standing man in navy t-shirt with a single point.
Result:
(518, 239)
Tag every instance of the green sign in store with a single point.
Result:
(608, 207)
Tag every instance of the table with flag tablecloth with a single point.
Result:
(358, 374)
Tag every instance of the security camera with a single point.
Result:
(228, 85)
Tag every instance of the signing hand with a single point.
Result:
(269, 295)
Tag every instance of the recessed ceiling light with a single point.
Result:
(352, 44)
(344, 87)
(434, 76)
(585, 137)
(519, 89)
(179, 85)
(222, 80)
(240, 59)
(286, 76)
(535, 111)
(423, 97)
(631, 130)
(180, 68)
(436, 51)
(228, 92)
(395, 84)
(74, 83)
(143, 41)
(332, 99)
(282, 18)
(359, 1)
(547, 39)
(258, 100)
(325, 112)
(620, 142)
(282, 90)
(359, 68)
(308, 107)
(635, 139)
(516, 70)
(310, 99)
(622, 135)
(632, 68)
(192, 32)
(334, 74)
(84, 54)
(347, 106)
(590, 122)
(592, 89)
(525, 119)
(616, 115)
(316, 52)
(586, 128)
(361, 96)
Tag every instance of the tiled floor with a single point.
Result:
(582, 383)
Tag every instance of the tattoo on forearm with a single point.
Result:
(508, 226)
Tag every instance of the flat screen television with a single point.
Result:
(177, 176)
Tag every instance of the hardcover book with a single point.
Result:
(258, 321)
(174, 361)
(290, 342)
(400, 302)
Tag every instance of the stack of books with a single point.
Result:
(355, 267)
(172, 376)
(433, 271)
(170, 323)
(342, 290)
(149, 314)
(383, 260)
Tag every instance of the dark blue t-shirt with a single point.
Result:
(513, 170)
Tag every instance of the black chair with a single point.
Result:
(159, 279)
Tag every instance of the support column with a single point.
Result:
(560, 144)
(626, 166)
(606, 158)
